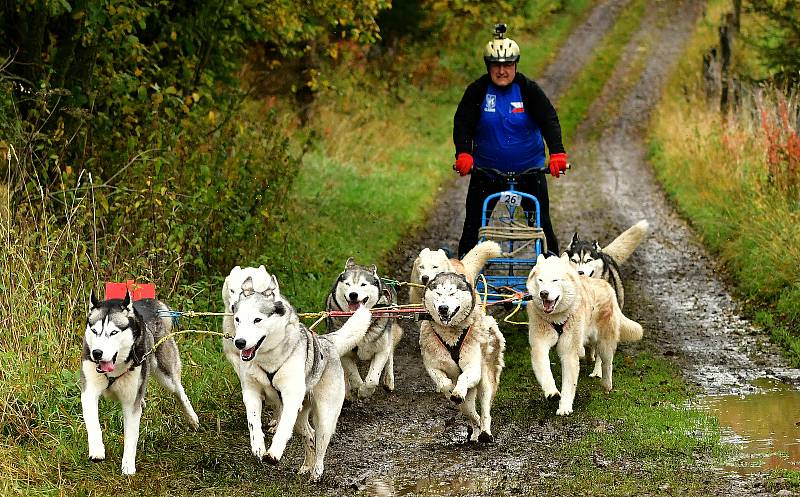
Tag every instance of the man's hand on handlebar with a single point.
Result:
(558, 164)
(463, 164)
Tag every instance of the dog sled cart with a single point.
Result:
(512, 219)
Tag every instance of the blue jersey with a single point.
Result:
(507, 138)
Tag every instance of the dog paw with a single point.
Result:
(485, 437)
(595, 374)
(552, 394)
(97, 454)
(316, 474)
(194, 421)
(259, 452)
(128, 467)
(366, 391)
(456, 398)
(606, 385)
(269, 458)
(564, 411)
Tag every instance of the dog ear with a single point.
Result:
(280, 309)
(373, 269)
(350, 263)
(126, 302)
(247, 287)
(272, 290)
(93, 301)
(540, 259)
(564, 257)
(572, 242)
(236, 270)
(596, 246)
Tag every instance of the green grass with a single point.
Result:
(633, 440)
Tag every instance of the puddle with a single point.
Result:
(765, 425)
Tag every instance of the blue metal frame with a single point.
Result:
(510, 280)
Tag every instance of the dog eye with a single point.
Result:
(236, 319)
(363, 284)
(257, 320)
(113, 332)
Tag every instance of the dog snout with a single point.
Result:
(580, 271)
(353, 296)
(240, 343)
(97, 354)
(425, 279)
(443, 310)
(544, 294)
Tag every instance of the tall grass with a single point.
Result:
(736, 180)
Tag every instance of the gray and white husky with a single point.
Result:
(462, 349)
(116, 362)
(588, 258)
(356, 287)
(289, 365)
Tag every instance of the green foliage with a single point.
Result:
(776, 35)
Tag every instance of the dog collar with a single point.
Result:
(559, 327)
(112, 379)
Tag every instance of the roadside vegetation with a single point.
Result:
(735, 174)
(174, 177)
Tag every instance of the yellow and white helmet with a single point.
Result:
(501, 49)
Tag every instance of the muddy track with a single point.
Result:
(410, 442)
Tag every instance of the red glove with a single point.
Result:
(558, 164)
(463, 164)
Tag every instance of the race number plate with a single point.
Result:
(511, 199)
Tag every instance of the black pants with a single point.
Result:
(482, 184)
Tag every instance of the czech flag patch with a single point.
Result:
(517, 107)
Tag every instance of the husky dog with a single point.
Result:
(462, 349)
(288, 364)
(429, 263)
(360, 286)
(589, 259)
(571, 311)
(116, 363)
(231, 293)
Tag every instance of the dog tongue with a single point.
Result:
(106, 366)
(548, 305)
(353, 306)
(248, 353)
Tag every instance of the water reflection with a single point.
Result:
(765, 426)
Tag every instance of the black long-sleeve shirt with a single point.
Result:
(536, 103)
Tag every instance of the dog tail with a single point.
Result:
(475, 259)
(629, 330)
(623, 246)
(353, 330)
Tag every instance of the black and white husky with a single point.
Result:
(462, 350)
(289, 365)
(588, 258)
(116, 362)
(356, 287)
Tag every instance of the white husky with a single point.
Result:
(570, 311)
(429, 263)
(288, 364)
(462, 349)
(116, 362)
(231, 293)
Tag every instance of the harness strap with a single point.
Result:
(559, 327)
(455, 350)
